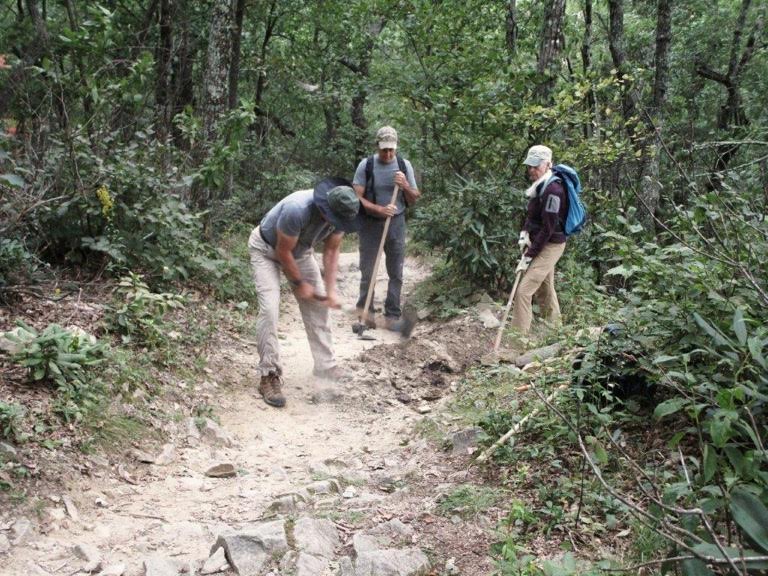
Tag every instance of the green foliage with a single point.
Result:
(468, 500)
(10, 421)
(471, 222)
(63, 358)
(138, 315)
(16, 267)
(56, 355)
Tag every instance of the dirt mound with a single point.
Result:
(423, 367)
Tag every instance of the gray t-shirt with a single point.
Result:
(296, 215)
(384, 181)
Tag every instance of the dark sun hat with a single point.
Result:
(338, 203)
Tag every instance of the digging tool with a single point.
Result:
(350, 310)
(360, 327)
(512, 294)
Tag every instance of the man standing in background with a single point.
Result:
(374, 183)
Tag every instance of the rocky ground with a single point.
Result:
(338, 482)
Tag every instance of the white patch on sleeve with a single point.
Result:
(553, 204)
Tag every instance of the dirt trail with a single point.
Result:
(355, 432)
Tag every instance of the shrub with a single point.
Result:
(473, 222)
(10, 419)
(63, 358)
(138, 316)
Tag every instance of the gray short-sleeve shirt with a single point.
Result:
(296, 215)
(384, 180)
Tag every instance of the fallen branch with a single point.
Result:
(517, 427)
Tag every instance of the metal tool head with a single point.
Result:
(359, 328)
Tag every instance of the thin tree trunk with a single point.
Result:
(616, 46)
(586, 65)
(163, 71)
(361, 138)
(551, 45)
(182, 90)
(650, 187)
(732, 114)
(511, 27)
(214, 98)
(234, 68)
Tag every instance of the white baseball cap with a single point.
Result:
(386, 137)
(538, 154)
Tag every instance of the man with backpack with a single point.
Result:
(542, 240)
(374, 183)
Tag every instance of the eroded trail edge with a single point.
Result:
(340, 481)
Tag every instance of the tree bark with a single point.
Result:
(182, 85)
(650, 186)
(551, 45)
(586, 65)
(234, 68)
(616, 47)
(214, 101)
(163, 53)
(361, 68)
(511, 27)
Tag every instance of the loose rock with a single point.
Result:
(248, 550)
(160, 566)
(224, 470)
(316, 537)
(217, 562)
(215, 434)
(406, 562)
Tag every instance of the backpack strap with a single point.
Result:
(556, 177)
(404, 169)
(370, 191)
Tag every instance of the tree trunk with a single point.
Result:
(732, 113)
(163, 53)
(360, 135)
(650, 187)
(182, 85)
(234, 68)
(214, 101)
(551, 45)
(586, 65)
(616, 46)
(511, 27)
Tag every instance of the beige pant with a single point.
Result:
(538, 282)
(266, 275)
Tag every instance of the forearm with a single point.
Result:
(330, 267)
(289, 266)
(411, 194)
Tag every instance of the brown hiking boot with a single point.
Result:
(269, 388)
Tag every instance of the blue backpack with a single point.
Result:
(577, 212)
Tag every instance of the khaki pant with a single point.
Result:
(538, 282)
(266, 275)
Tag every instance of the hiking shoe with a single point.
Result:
(333, 373)
(269, 388)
